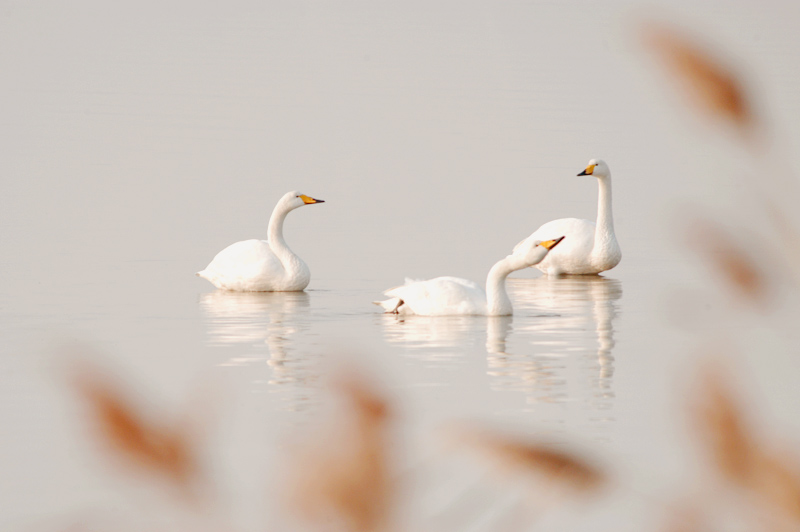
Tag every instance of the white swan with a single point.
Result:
(450, 296)
(591, 247)
(263, 265)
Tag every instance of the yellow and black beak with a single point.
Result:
(550, 244)
(309, 200)
(589, 170)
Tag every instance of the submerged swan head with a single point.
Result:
(294, 200)
(596, 168)
(530, 253)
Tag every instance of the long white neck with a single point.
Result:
(275, 232)
(605, 221)
(498, 303)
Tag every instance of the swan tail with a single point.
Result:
(390, 306)
(211, 277)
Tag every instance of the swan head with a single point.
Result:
(596, 168)
(534, 252)
(294, 200)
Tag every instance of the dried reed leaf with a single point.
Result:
(778, 481)
(370, 408)
(163, 450)
(773, 477)
(712, 86)
(731, 260)
(722, 425)
(343, 475)
(532, 457)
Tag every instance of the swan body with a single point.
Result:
(263, 265)
(452, 296)
(591, 247)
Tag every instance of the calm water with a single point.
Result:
(140, 140)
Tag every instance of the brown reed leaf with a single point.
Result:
(731, 260)
(712, 86)
(721, 424)
(773, 477)
(161, 449)
(779, 481)
(343, 475)
(537, 458)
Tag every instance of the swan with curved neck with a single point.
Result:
(452, 296)
(263, 265)
(591, 247)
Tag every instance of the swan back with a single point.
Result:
(252, 266)
(442, 296)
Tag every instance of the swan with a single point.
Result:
(591, 247)
(451, 296)
(263, 265)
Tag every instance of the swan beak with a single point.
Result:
(309, 200)
(589, 170)
(550, 244)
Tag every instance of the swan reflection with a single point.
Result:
(579, 327)
(263, 327)
(522, 370)
(557, 347)
(434, 339)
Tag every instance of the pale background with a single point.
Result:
(141, 138)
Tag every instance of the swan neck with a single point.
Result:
(275, 232)
(605, 220)
(498, 302)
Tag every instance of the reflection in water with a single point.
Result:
(263, 326)
(434, 339)
(535, 375)
(561, 349)
(579, 327)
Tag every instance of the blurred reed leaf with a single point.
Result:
(739, 454)
(341, 475)
(722, 427)
(719, 91)
(712, 86)
(732, 260)
(160, 447)
(779, 481)
(529, 457)
(786, 230)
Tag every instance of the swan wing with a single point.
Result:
(442, 296)
(249, 265)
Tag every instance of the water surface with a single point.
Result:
(141, 140)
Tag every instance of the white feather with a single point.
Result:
(451, 296)
(589, 247)
(262, 265)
